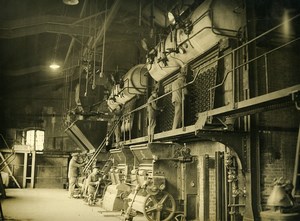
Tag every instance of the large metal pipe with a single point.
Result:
(219, 171)
(209, 23)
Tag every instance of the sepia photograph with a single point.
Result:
(150, 110)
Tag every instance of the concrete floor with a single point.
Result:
(52, 205)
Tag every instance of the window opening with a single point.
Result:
(35, 139)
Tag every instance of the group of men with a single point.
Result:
(89, 185)
(179, 90)
(178, 93)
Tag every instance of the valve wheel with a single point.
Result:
(159, 207)
(180, 217)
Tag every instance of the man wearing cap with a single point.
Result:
(73, 173)
(92, 182)
(152, 109)
(178, 92)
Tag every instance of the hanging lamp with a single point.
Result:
(71, 2)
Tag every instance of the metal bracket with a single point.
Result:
(202, 118)
(235, 140)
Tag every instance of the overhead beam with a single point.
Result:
(41, 24)
(27, 70)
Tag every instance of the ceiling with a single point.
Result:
(35, 33)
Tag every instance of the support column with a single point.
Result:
(25, 169)
(32, 169)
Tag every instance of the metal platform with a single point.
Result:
(271, 101)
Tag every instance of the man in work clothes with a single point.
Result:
(73, 173)
(178, 92)
(152, 109)
(92, 182)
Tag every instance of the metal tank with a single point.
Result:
(134, 82)
(211, 22)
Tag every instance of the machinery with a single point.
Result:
(119, 175)
(281, 202)
(208, 25)
(134, 83)
(123, 94)
(163, 187)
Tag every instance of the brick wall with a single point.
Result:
(277, 159)
(278, 128)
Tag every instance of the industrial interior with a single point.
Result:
(151, 110)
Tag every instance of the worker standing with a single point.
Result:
(116, 118)
(73, 173)
(152, 109)
(178, 93)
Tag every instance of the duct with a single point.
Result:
(37, 25)
(133, 83)
(211, 22)
(80, 133)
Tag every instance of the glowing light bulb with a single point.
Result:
(54, 66)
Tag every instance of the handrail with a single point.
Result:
(219, 58)
(231, 53)
(251, 60)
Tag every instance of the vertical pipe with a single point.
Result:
(182, 107)
(223, 206)
(25, 169)
(218, 185)
(266, 73)
(233, 79)
(225, 190)
(206, 187)
(140, 12)
(32, 169)
(252, 146)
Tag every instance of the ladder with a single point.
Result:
(296, 178)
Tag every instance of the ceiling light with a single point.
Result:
(54, 66)
(71, 2)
